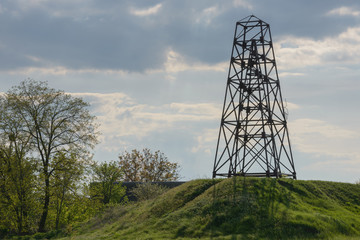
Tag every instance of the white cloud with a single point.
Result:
(121, 117)
(146, 12)
(291, 106)
(206, 141)
(344, 11)
(336, 167)
(174, 63)
(334, 150)
(324, 139)
(59, 70)
(297, 52)
(177, 63)
(243, 4)
(207, 15)
(306, 126)
(197, 109)
(292, 74)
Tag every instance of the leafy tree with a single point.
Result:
(53, 122)
(18, 207)
(17, 173)
(66, 183)
(146, 166)
(106, 185)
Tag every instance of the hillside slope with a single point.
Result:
(237, 208)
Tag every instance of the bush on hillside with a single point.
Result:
(147, 190)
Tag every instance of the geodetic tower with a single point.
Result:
(253, 138)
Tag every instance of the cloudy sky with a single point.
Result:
(155, 72)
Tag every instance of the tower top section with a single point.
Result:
(250, 20)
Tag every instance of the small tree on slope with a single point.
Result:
(146, 166)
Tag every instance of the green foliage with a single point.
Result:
(146, 166)
(66, 187)
(106, 186)
(147, 191)
(237, 208)
(48, 121)
(18, 207)
(45, 137)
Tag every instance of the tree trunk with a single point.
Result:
(19, 220)
(46, 204)
(59, 209)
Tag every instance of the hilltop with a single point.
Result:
(236, 208)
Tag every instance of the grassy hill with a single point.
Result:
(237, 208)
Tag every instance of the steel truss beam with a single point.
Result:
(253, 138)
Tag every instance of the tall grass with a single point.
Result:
(237, 208)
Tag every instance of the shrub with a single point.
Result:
(147, 190)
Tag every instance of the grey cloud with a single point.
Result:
(305, 18)
(104, 42)
(105, 35)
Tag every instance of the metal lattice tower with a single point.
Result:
(253, 138)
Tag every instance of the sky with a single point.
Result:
(155, 72)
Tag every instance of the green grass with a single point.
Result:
(237, 208)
